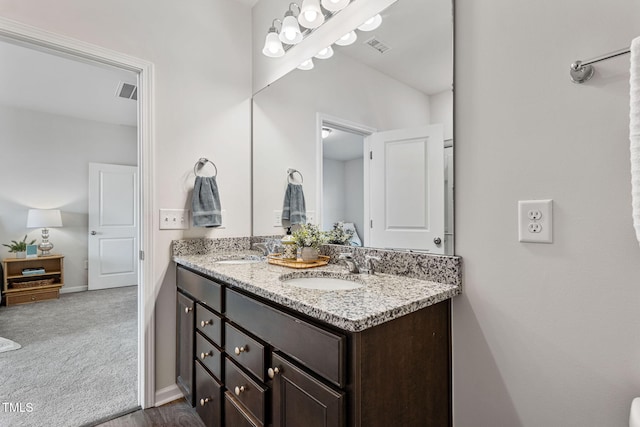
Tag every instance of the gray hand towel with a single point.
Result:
(293, 208)
(205, 202)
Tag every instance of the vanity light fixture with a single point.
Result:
(326, 132)
(290, 31)
(311, 15)
(306, 65)
(272, 44)
(325, 53)
(334, 5)
(371, 23)
(347, 39)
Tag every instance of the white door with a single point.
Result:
(113, 226)
(406, 196)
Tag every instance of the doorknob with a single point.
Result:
(93, 232)
(437, 241)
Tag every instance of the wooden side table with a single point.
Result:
(19, 288)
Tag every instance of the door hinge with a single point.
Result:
(141, 255)
(370, 223)
(370, 155)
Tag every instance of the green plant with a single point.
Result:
(339, 236)
(309, 235)
(20, 246)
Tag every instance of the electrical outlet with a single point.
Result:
(277, 218)
(535, 221)
(174, 219)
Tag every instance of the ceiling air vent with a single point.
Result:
(128, 91)
(377, 45)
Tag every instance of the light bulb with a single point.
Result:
(306, 65)
(310, 14)
(371, 23)
(335, 5)
(325, 53)
(290, 31)
(347, 39)
(272, 45)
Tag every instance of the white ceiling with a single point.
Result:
(420, 34)
(343, 146)
(42, 81)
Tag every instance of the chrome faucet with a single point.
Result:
(262, 247)
(350, 262)
(369, 261)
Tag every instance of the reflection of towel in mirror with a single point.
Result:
(355, 239)
(205, 202)
(293, 208)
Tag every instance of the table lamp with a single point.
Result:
(44, 218)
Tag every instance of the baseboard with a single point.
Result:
(167, 394)
(68, 290)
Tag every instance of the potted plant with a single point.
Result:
(339, 235)
(19, 248)
(309, 238)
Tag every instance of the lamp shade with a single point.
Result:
(290, 31)
(44, 218)
(272, 45)
(334, 5)
(371, 23)
(347, 39)
(310, 14)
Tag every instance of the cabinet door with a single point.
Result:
(301, 400)
(185, 352)
(208, 397)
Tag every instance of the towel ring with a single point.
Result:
(200, 163)
(290, 173)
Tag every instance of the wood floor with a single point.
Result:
(175, 414)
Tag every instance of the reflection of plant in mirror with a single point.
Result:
(339, 236)
(20, 246)
(309, 235)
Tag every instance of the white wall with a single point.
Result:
(441, 107)
(46, 167)
(284, 118)
(202, 55)
(544, 335)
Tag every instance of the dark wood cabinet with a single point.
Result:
(185, 350)
(301, 400)
(260, 364)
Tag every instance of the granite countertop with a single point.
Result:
(382, 297)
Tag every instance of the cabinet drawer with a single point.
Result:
(248, 392)
(235, 416)
(202, 289)
(31, 296)
(245, 350)
(318, 349)
(208, 397)
(209, 355)
(209, 323)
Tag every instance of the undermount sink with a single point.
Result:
(321, 282)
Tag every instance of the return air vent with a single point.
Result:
(128, 91)
(377, 45)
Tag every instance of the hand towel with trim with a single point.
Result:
(205, 202)
(634, 132)
(293, 208)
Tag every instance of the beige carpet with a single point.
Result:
(78, 361)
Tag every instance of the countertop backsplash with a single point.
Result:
(418, 265)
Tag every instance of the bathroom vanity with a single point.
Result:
(254, 351)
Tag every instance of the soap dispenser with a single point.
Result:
(289, 245)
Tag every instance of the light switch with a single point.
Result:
(535, 221)
(174, 219)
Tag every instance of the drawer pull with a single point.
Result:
(240, 389)
(205, 355)
(272, 372)
(205, 401)
(206, 322)
(188, 310)
(239, 350)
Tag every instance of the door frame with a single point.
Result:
(349, 126)
(33, 37)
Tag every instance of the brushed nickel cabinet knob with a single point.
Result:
(272, 372)
(188, 310)
(240, 389)
(239, 350)
(205, 401)
(206, 322)
(205, 355)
